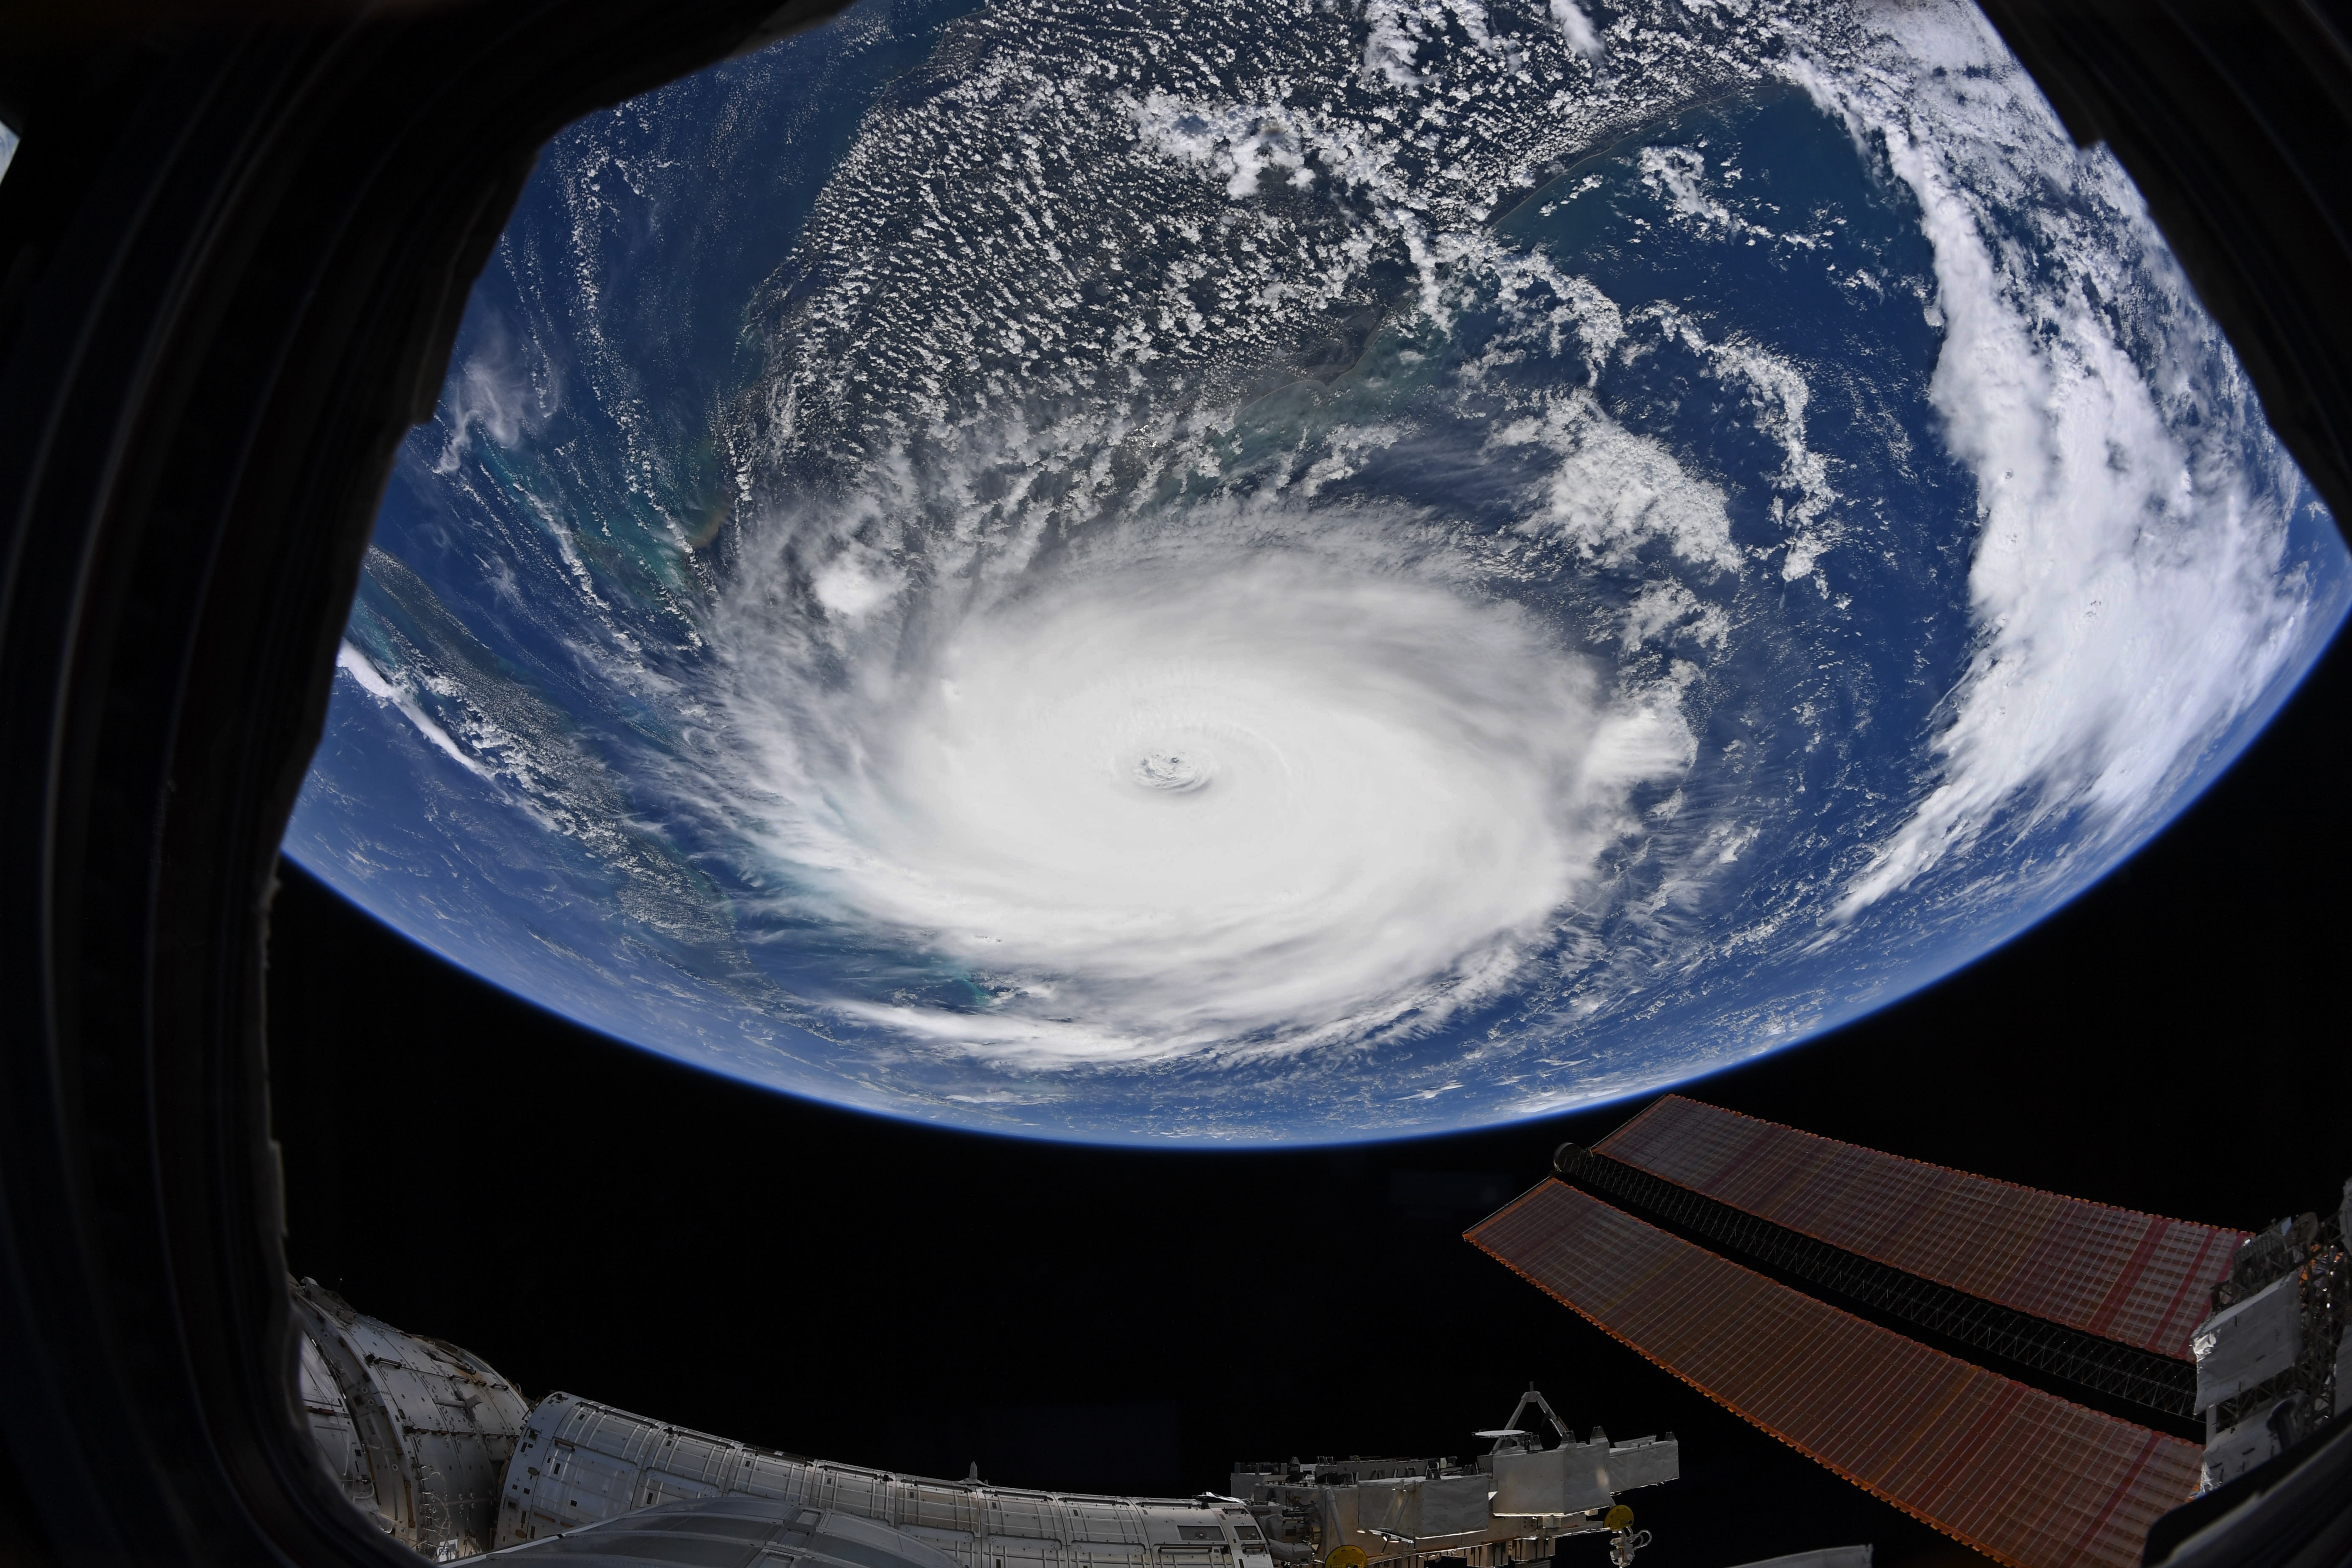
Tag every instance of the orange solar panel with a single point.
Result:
(2020, 1475)
(2134, 1277)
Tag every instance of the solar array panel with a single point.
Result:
(2020, 1475)
(2137, 1279)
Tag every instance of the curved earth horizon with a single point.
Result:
(1213, 576)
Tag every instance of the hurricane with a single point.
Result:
(1207, 574)
(1220, 783)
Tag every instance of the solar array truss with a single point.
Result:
(2139, 1279)
(2021, 1474)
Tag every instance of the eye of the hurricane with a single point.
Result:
(1174, 772)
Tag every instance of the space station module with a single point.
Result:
(449, 1460)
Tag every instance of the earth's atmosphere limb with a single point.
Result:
(1149, 573)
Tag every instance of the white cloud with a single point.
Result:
(1395, 29)
(490, 392)
(1677, 176)
(1576, 27)
(1777, 392)
(1668, 611)
(371, 681)
(2127, 582)
(1612, 491)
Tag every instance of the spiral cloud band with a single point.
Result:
(1201, 787)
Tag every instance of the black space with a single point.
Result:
(589, 1218)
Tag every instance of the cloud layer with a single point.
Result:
(1232, 778)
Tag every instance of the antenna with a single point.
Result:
(1511, 1428)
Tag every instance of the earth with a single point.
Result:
(1244, 573)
